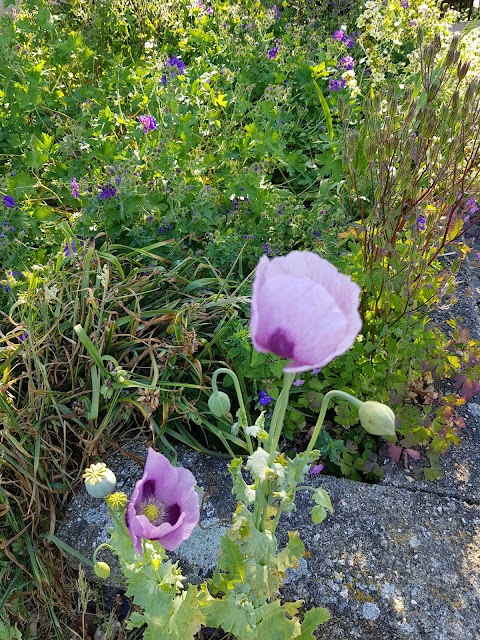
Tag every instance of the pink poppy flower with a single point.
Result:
(303, 309)
(164, 504)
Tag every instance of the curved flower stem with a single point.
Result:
(104, 544)
(323, 411)
(243, 413)
(278, 416)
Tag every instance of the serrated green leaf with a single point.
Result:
(322, 498)
(275, 624)
(311, 620)
(186, 618)
(318, 514)
(289, 556)
(231, 558)
(228, 614)
(241, 490)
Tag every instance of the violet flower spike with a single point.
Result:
(303, 309)
(164, 504)
(75, 192)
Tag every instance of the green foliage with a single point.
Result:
(9, 633)
(168, 610)
(322, 501)
(100, 340)
(241, 596)
(251, 155)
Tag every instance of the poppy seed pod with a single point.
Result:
(100, 481)
(219, 404)
(377, 418)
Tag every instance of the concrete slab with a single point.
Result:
(389, 563)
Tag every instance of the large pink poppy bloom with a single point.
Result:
(164, 504)
(303, 309)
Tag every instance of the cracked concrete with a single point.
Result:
(390, 563)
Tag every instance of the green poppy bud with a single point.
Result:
(100, 481)
(219, 404)
(377, 418)
(102, 570)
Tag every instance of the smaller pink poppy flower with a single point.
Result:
(164, 504)
(303, 309)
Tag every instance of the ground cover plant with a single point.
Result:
(196, 137)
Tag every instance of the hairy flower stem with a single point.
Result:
(262, 492)
(323, 411)
(278, 417)
(104, 545)
(242, 414)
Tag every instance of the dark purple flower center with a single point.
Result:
(157, 512)
(281, 344)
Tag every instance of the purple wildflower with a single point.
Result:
(272, 53)
(23, 336)
(108, 191)
(421, 223)
(317, 370)
(340, 35)
(70, 248)
(209, 11)
(316, 469)
(350, 41)
(336, 85)
(75, 192)
(164, 79)
(176, 64)
(346, 63)
(472, 206)
(264, 398)
(149, 123)
(298, 383)
(405, 4)
(164, 504)
(276, 12)
(165, 227)
(9, 201)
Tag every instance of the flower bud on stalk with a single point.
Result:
(450, 57)
(377, 418)
(101, 569)
(219, 404)
(100, 481)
